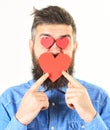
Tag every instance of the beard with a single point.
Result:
(37, 72)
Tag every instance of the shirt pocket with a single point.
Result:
(76, 125)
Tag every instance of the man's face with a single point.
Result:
(55, 32)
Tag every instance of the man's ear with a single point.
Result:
(31, 45)
(75, 46)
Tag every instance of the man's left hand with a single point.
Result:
(77, 98)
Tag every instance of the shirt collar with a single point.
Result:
(63, 89)
(41, 88)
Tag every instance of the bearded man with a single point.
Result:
(54, 99)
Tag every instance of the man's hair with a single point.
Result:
(51, 15)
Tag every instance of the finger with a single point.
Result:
(70, 85)
(72, 81)
(70, 104)
(41, 96)
(45, 105)
(73, 95)
(37, 84)
(73, 89)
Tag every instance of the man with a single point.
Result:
(64, 104)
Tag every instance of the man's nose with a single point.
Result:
(55, 49)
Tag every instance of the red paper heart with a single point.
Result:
(47, 41)
(54, 65)
(62, 42)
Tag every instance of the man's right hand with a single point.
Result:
(32, 102)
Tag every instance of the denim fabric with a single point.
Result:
(58, 116)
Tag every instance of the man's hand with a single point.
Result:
(77, 98)
(33, 102)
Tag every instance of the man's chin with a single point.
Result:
(59, 83)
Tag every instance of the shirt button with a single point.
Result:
(53, 104)
(83, 126)
(52, 128)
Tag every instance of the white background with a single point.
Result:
(92, 19)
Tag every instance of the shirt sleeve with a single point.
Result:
(7, 123)
(14, 124)
(96, 124)
(102, 120)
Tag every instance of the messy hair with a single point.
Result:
(51, 15)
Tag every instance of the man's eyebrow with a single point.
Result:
(67, 35)
(44, 34)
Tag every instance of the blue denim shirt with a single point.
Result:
(58, 116)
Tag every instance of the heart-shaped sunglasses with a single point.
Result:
(48, 41)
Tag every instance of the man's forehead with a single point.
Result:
(56, 30)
